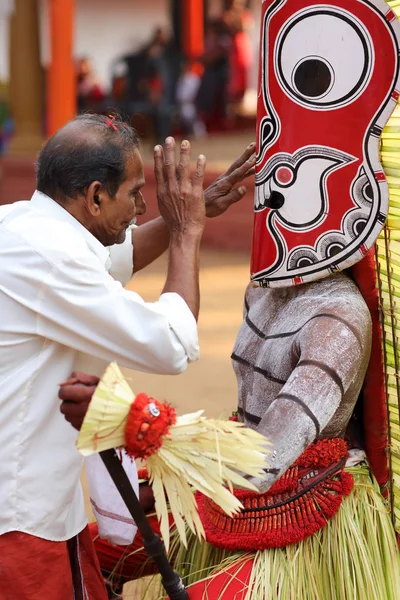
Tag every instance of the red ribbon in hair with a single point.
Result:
(110, 122)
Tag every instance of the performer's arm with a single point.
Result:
(332, 352)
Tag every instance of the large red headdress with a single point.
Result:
(329, 80)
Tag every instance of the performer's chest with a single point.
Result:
(266, 349)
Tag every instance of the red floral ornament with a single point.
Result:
(148, 422)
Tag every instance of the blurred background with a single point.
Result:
(186, 68)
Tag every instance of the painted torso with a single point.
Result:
(300, 359)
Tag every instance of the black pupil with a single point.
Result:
(276, 200)
(312, 78)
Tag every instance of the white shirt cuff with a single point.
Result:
(182, 322)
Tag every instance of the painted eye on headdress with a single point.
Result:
(323, 58)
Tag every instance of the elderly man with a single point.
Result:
(64, 257)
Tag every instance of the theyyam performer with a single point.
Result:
(317, 358)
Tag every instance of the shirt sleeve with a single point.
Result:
(78, 304)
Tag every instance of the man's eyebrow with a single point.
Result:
(137, 187)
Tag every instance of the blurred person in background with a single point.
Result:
(143, 84)
(90, 91)
(212, 96)
(186, 93)
(6, 121)
(239, 23)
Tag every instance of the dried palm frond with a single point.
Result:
(195, 453)
(354, 556)
(388, 259)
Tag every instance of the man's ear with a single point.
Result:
(93, 198)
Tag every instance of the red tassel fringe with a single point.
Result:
(323, 453)
(275, 527)
(289, 512)
(143, 473)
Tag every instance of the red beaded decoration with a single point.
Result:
(296, 506)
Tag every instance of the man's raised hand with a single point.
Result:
(225, 190)
(180, 197)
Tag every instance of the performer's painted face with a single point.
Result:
(328, 84)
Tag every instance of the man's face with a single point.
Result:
(117, 213)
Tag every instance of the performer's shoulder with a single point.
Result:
(341, 300)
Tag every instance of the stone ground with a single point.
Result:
(209, 383)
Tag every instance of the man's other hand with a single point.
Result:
(76, 393)
(225, 191)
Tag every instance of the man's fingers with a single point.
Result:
(235, 195)
(159, 164)
(71, 410)
(74, 413)
(159, 168)
(76, 392)
(198, 177)
(183, 169)
(169, 161)
(249, 173)
(80, 377)
(242, 172)
(242, 158)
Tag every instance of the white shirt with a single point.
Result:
(58, 300)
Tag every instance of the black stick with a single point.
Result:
(152, 543)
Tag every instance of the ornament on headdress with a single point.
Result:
(183, 454)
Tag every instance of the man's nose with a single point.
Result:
(140, 204)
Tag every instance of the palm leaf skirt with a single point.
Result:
(388, 272)
(353, 557)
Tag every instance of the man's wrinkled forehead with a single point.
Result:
(135, 170)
